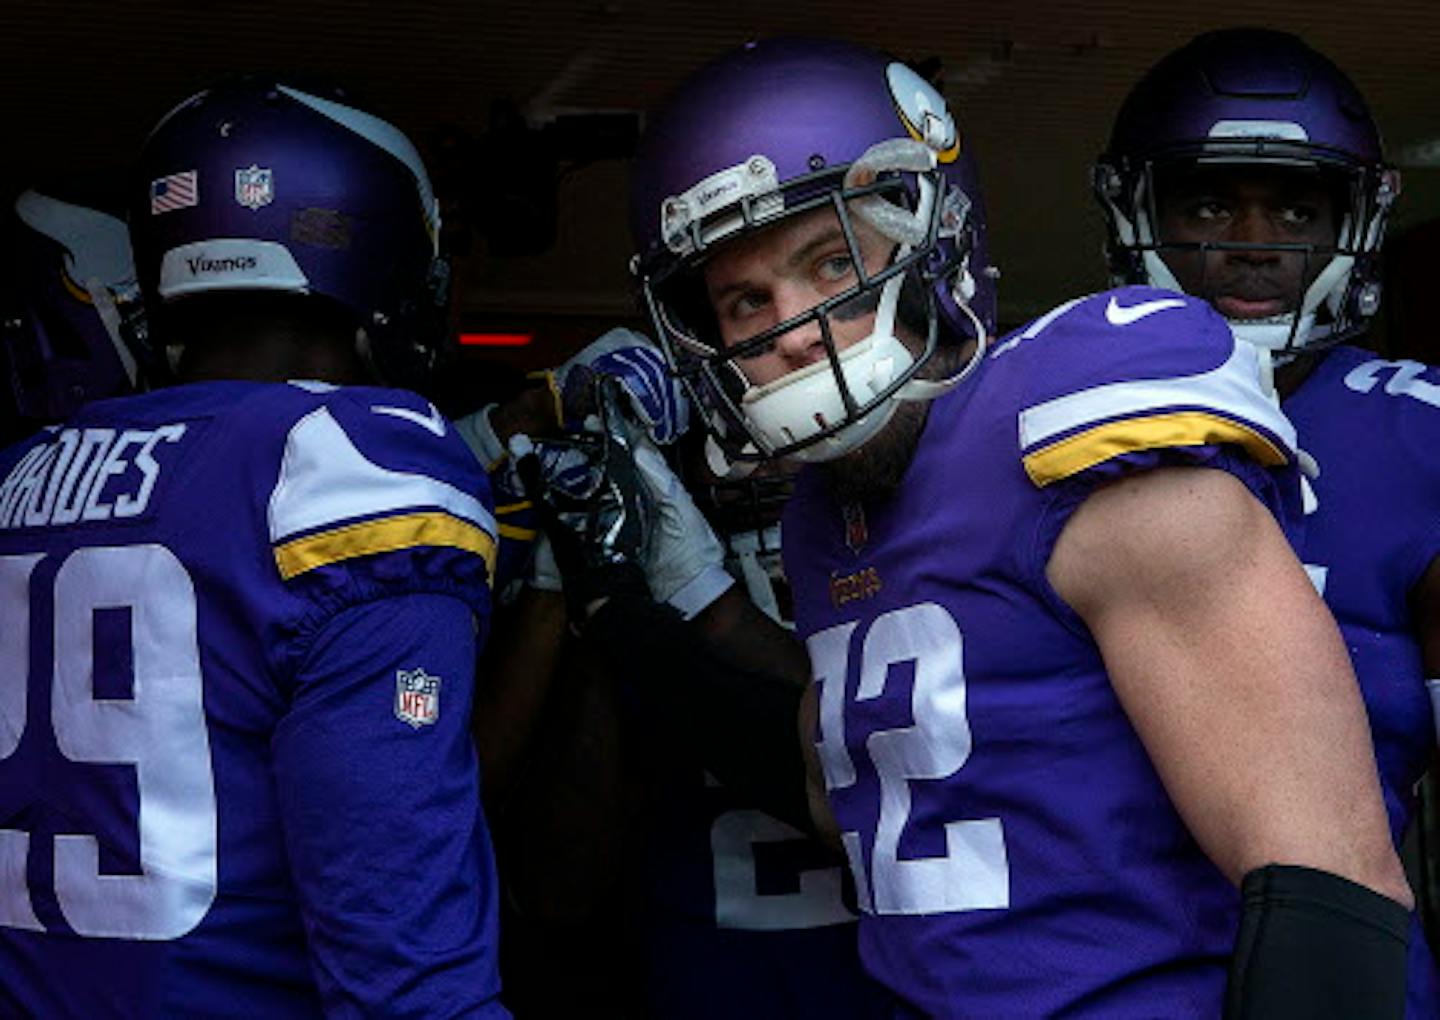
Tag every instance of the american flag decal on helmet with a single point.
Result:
(174, 191)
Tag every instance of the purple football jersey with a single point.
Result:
(741, 914)
(240, 623)
(1372, 425)
(1014, 851)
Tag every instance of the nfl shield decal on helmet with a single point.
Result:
(254, 187)
(417, 697)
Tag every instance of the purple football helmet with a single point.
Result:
(774, 130)
(257, 185)
(69, 298)
(1254, 97)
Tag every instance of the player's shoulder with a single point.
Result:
(1132, 370)
(365, 469)
(1117, 335)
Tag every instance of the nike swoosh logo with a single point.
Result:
(1121, 315)
(434, 422)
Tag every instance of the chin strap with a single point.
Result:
(929, 389)
(909, 229)
(1267, 359)
(725, 469)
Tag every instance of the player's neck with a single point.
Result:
(271, 359)
(264, 338)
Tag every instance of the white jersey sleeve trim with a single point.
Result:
(325, 481)
(1232, 390)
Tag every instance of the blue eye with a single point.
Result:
(835, 268)
(748, 303)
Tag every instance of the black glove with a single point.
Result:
(598, 535)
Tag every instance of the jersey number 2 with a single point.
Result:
(974, 873)
(160, 730)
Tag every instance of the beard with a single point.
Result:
(876, 470)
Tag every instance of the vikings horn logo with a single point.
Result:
(923, 112)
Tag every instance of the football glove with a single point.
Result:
(654, 397)
(685, 562)
(599, 535)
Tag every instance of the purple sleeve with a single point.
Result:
(379, 791)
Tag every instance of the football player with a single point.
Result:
(1245, 169)
(1072, 688)
(736, 912)
(69, 291)
(241, 613)
(747, 914)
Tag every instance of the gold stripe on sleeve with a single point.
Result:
(387, 534)
(1074, 454)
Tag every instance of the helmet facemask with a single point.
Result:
(1338, 287)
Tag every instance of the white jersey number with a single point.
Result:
(1405, 380)
(160, 730)
(974, 873)
(817, 902)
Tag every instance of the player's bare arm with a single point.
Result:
(1232, 672)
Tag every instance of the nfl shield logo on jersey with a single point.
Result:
(254, 187)
(417, 697)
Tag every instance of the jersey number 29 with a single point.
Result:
(160, 731)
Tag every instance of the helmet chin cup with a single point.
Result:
(1273, 334)
(804, 402)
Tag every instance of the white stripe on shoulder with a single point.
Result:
(324, 480)
(313, 385)
(379, 133)
(1232, 389)
(1034, 329)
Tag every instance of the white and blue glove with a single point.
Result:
(656, 398)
